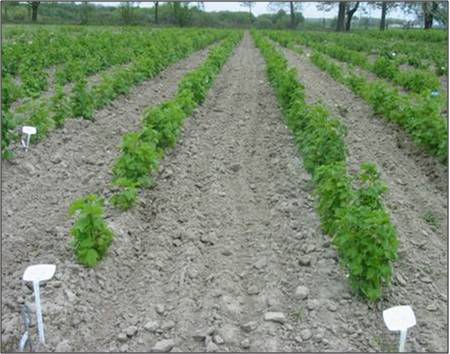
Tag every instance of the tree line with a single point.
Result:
(286, 14)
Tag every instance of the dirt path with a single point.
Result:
(39, 186)
(417, 185)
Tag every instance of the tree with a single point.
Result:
(249, 5)
(384, 6)
(440, 12)
(427, 14)
(350, 11)
(181, 13)
(156, 3)
(126, 11)
(428, 11)
(34, 5)
(86, 10)
(340, 25)
(293, 7)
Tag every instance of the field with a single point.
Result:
(225, 190)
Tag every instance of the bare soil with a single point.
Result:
(417, 186)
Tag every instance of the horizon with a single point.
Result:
(308, 9)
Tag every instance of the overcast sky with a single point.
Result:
(308, 9)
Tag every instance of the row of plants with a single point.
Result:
(430, 36)
(350, 207)
(142, 151)
(100, 51)
(385, 66)
(47, 113)
(418, 54)
(419, 115)
(140, 155)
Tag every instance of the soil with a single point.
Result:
(226, 236)
(417, 186)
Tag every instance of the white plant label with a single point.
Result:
(36, 274)
(27, 132)
(399, 318)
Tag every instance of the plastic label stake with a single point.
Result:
(36, 274)
(399, 318)
(28, 132)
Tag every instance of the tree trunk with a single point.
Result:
(341, 16)
(350, 14)
(428, 16)
(293, 22)
(156, 11)
(34, 10)
(383, 16)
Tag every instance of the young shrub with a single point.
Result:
(185, 99)
(82, 100)
(60, 106)
(365, 238)
(166, 120)
(126, 198)
(34, 81)
(322, 141)
(383, 67)
(104, 92)
(139, 158)
(418, 80)
(40, 118)
(6, 134)
(10, 92)
(198, 83)
(334, 192)
(92, 237)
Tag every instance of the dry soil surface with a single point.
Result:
(417, 187)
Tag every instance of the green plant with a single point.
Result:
(385, 67)
(354, 216)
(141, 151)
(334, 192)
(60, 106)
(6, 134)
(365, 237)
(82, 100)
(126, 198)
(139, 158)
(92, 237)
(322, 140)
(40, 118)
(34, 81)
(418, 80)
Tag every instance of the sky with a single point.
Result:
(309, 9)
